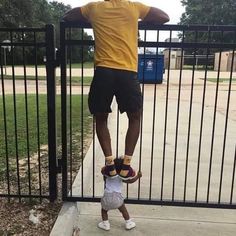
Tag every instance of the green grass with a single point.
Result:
(74, 65)
(199, 67)
(21, 77)
(75, 80)
(221, 80)
(32, 121)
(86, 65)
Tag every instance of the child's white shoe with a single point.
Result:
(129, 224)
(105, 225)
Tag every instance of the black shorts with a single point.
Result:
(108, 82)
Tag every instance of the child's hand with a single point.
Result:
(139, 174)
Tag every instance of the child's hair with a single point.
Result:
(118, 164)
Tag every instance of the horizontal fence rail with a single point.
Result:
(186, 149)
(27, 113)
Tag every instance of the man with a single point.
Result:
(115, 25)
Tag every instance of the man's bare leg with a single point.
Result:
(104, 138)
(103, 133)
(131, 139)
(133, 131)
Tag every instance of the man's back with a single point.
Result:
(115, 25)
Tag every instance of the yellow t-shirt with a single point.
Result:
(115, 26)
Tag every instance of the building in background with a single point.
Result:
(175, 56)
(226, 61)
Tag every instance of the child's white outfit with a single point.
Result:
(113, 199)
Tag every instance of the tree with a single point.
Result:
(209, 12)
(36, 13)
(16, 13)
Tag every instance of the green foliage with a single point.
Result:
(36, 13)
(209, 12)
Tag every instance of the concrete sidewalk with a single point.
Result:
(157, 220)
(161, 221)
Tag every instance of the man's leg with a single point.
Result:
(132, 132)
(131, 141)
(103, 133)
(131, 135)
(104, 138)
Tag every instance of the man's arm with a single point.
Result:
(156, 15)
(74, 15)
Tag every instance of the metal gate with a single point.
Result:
(186, 149)
(28, 166)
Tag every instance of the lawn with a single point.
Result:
(221, 80)
(74, 65)
(75, 80)
(33, 131)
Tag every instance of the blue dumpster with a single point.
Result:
(153, 70)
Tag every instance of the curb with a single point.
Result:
(66, 221)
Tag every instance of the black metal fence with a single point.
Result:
(27, 113)
(186, 149)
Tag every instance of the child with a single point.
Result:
(113, 199)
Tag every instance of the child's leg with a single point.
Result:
(104, 215)
(124, 212)
(105, 225)
(129, 223)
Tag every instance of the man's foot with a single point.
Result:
(129, 224)
(109, 171)
(127, 172)
(105, 225)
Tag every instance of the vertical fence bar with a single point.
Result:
(51, 102)
(5, 127)
(226, 125)
(190, 119)
(233, 178)
(141, 125)
(26, 113)
(117, 132)
(214, 122)
(15, 117)
(82, 114)
(177, 119)
(202, 115)
(94, 127)
(63, 110)
(153, 121)
(37, 114)
(166, 120)
(70, 114)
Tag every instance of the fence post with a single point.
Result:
(63, 109)
(51, 103)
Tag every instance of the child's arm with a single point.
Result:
(130, 181)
